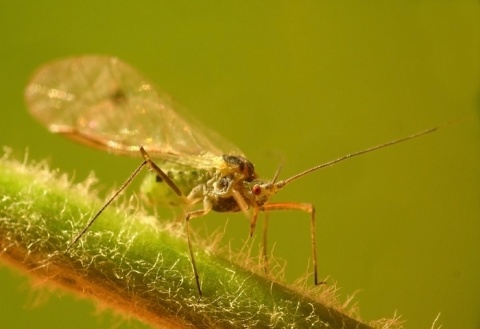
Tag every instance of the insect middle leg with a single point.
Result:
(305, 207)
(188, 216)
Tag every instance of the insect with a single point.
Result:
(104, 103)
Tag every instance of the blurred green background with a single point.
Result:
(299, 83)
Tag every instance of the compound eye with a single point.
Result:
(256, 189)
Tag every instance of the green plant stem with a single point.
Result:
(133, 265)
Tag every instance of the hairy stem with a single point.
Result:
(128, 262)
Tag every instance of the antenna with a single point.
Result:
(370, 149)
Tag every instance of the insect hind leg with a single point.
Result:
(109, 201)
(160, 173)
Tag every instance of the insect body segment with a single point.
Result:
(157, 192)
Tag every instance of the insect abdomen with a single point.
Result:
(158, 192)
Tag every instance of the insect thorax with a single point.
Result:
(231, 178)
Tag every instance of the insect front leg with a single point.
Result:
(253, 225)
(308, 208)
(264, 244)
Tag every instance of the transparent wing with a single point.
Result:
(102, 102)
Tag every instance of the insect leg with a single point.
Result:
(188, 216)
(124, 185)
(160, 172)
(264, 244)
(306, 207)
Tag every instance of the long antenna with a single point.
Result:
(370, 149)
